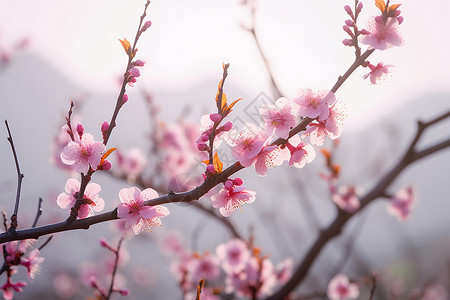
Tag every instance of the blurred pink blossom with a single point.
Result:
(382, 35)
(402, 203)
(347, 198)
(377, 73)
(233, 255)
(340, 288)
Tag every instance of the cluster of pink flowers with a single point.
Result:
(248, 273)
(14, 254)
(382, 32)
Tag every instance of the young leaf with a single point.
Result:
(218, 165)
(107, 153)
(126, 45)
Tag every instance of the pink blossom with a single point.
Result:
(331, 127)
(435, 291)
(228, 200)
(247, 144)
(233, 255)
(137, 215)
(91, 201)
(172, 243)
(9, 287)
(314, 104)
(283, 270)
(131, 163)
(269, 156)
(340, 288)
(83, 154)
(378, 72)
(206, 266)
(255, 275)
(382, 35)
(32, 263)
(402, 203)
(278, 117)
(301, 154)
(347, 198)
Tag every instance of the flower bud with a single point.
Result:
(124, 99)
(400, 20)
(105, 166)
(210, 169)
(135, 72)
(227, 126)
(238, 181)
(347, 42)
(228, 185)
(80, 130)
(360, 7)
(348, 30)
(146, 26)
(216, 118)
(349, 23)
(105, 126)
(124, 292)
(138, 63)
(202, 147)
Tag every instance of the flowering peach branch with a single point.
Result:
(379, 190)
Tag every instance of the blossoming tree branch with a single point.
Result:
(291, 131)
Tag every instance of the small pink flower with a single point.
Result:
(331, 127)
(283, 270)
(340, 288)
(402, 203)
(83, 154)
(269, 156)
(347, 198)
(382, 35)
(233, 255)
(137, 215)
(314, 104)
(91, 201)
(247, 144)
(228, 200)
(32, 263)
(9, 287)
(278, 117)
(131, 163)
(301, 154)
(206, 266)
(378, 72)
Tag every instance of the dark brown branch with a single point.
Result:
(379, 190)
(116, 263)
(38, 212)
(19, 180)
(119, 101)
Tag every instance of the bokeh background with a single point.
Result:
(73, 53)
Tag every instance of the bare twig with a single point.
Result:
(379, 190)
(38, 212)
(19, 180)
(116, 263)
(46, 242)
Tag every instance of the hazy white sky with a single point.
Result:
(190, 39)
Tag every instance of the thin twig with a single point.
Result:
(19, 180)
(46, 242)
(116, 263)
(38, 212)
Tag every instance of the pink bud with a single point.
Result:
(349, 11)
(238, 181)
(210, 169)
(397, 13)
(347, 42)
(105, 166)
(146, 26)
(80, 129)
(124, 292)
(364, 32)
(228, 185)
(216, 118)
(360, 6)
(227, 126)
(400, 20)
(348, 30)
(135, 72)
(204, 138)
(105, 126)
(202, 147)
(104, 243)
(349, 23)
(124, 98)
(138, 63)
